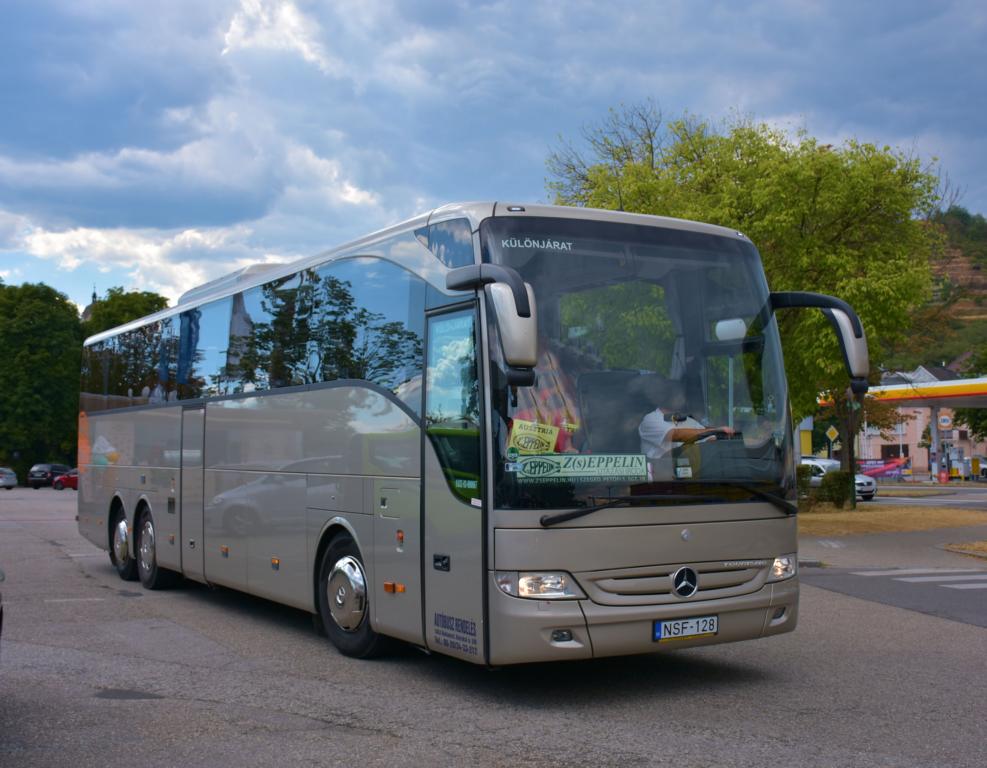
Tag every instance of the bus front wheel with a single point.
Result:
(120, 555)
(344, 600)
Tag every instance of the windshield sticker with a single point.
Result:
(531, 438)
(535, 242)
(577, 468)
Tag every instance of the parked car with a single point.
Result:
(69, 480)
(8, 478)
(866, 485)
(45, 474)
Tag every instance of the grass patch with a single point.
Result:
(908, 493)
(975, 548)
(826, 520)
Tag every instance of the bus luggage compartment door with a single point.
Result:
(397, 600)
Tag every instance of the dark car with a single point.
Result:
(45, 474)
(69, 480)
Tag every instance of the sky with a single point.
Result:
(157, 145)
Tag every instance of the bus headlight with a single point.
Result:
(784, 567)
(539, 585)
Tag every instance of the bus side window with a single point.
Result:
(450, 241)
(203, 344)
(368, 326)
(452, 400)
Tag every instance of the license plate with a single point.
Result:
(685, 629)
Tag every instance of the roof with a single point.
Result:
(475, 212)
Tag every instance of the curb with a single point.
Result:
(961, 551)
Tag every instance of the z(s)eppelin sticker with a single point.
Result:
(579, 468)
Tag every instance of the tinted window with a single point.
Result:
(452, 411)
(354, 319)
(268, 331)
(203, 350)
(133, 368)
(450, 241)
(367, 318)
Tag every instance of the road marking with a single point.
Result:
(982, 576)
(75, 600)
(965, 586)
(913, 571)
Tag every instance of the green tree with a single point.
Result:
(850, 220)
(975, 419)
(39, 378)
(118, 307)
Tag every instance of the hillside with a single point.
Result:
(961, 276)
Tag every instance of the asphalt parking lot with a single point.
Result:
(94, 670)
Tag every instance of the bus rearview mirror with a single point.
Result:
(855, 355)
(518, 335)
(849, 330)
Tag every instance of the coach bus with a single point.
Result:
(506, 433)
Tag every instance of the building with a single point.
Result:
(926, 436)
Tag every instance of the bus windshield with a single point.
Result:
(659, 371)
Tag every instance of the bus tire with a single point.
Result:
(152, 576)
(120, 554)
(343, 599)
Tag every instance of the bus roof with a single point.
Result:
(475, 212)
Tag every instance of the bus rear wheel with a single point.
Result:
(152, 576)
(344, 600)
(120, 555)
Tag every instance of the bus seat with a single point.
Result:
(611, 408)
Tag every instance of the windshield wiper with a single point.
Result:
(783, 504)
(623, 501)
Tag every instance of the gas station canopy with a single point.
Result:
(958, 393)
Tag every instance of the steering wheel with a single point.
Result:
(716, 434)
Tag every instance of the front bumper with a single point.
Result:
(521, 629)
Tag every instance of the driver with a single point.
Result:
(661, 432)
(668, 427)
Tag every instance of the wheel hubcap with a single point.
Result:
(347, 592)
(147, 546)
(120, 548)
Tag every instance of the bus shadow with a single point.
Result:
(670, 673)
(593, 681)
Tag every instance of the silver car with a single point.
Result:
(866, 485)
(8, 478)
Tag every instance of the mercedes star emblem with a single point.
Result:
(685, 582)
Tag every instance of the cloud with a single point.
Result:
(179, 144)
(278, 25)
(167, 263)
(12, 229)
(325, 176)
